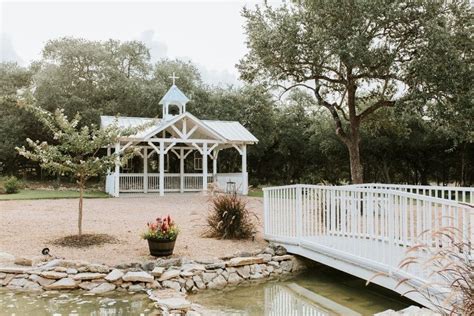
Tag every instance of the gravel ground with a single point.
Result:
(26, 227)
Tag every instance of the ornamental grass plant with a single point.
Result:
(229, 218)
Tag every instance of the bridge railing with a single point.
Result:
(459, 194)
(371, 225)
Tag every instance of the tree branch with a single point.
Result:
(377, 105)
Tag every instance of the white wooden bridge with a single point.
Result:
(365, 230)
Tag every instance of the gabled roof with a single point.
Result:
(174, 95)
(230, 131)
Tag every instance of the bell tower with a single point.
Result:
(173, 98)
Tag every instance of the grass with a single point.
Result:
(257, 192)
(28, 194)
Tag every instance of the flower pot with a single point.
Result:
(161, 247)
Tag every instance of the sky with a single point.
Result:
(209, 33)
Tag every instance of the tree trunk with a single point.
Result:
(81, 196)
(357, 171)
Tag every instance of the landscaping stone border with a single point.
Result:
(156, 277)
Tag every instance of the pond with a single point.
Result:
(321, 291)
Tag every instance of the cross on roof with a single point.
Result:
(173, 77)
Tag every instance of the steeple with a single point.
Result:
(176, 97)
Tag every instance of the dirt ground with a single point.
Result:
(26, 227)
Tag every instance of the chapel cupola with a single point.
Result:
(174, 101)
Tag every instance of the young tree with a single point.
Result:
(77, 151)
(356, 57)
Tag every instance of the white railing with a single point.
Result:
(131, 182)
(134, 182)
(370, 227)
(459, 194)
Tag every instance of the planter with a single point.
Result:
(161, 247)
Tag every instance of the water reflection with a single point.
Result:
(73, 304)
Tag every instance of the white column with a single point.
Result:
(214, 164)
(145, 170)
(162, 168)
(109, 152)
(117, 170)
(181, 170)
(204, 167)
(245, 185)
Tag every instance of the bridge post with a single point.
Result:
(299, 211)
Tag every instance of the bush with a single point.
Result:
(229, 218)
(11, 185)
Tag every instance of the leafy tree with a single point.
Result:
(14, 122)
(76, 151)
(356, 57)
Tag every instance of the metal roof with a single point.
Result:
(231, 131)
(174, 95)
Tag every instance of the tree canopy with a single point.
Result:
(357, 57)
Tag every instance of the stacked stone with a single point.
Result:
(177, 274)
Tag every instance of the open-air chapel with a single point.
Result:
(175, 154)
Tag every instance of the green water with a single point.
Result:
(321, 291)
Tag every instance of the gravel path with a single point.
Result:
(26, 227)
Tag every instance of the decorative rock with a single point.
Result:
(174, 303)
(199, 283)
(114, 275)
(186, 274)
(269, 251)
(60, 269)
(7, 279)
(208, 276)
(100, 268)
(282, 258)
(21, 261)
(71, 271)
(172, 285)
(241, 261)
(234, 278)
(280, 251)
(217, 283)
(40, 280)
(148, 266)
(63, 284)
(274, 264)
(88, 276)
(215, 265)
(53, 275)
(286, 266)
(140, 276)
(167, 263)
(193, 267)
(170, 274)
(256, 276)
(32, 286)
(17, 283)
(88, 285)
(158, 271)
(103, 288)
(265, 257)
(189, 284)
(2, 275)
(244, 272)
(13, 270)
(135, 288)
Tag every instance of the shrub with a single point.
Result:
(162, 228)
(229, 218)
(11, 185)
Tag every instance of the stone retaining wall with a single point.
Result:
(183, 276)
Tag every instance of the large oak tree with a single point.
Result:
(356, 57)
